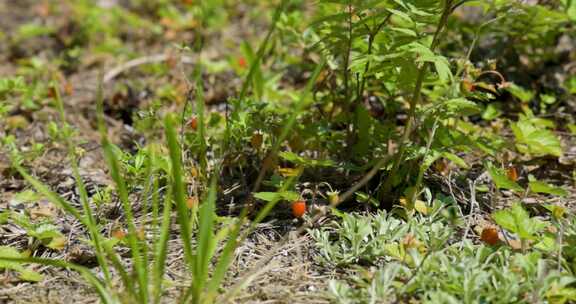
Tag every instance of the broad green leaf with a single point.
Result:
(542, 187)
(26, 196)
(405, 31)
(534, 140)
(517, 220)
(547, 243)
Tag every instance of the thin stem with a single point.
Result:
(416, 188)
(371, 38)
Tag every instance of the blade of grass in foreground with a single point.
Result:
(90, 221)
(161, 247)
(179, 190)
(140, 268)
(206, 243)
(105, 296)
(67, 207)
(201, 122)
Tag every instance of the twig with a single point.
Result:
(452, 193)
(473, 205)
(113, 73)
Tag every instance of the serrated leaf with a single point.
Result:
(547, 243)
(26, 196)
(462, 106)
(24, 273)
(537, 141)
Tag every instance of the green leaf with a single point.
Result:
(31, 275)
(520, 93)
(405, 31)
(556, 211)
(462, 106)
(271, 196)
(307, 162)
(24, 273)
(517, 220)
(9, 252)
(537, 141)
(492, 111)
(455, 159)
(542, 187)
(547, 243)
(363, 126)
(500, 178)
(26, 196)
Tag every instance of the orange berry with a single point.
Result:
(193, 123)
(490, 236)
(298, 208)
(512, 173)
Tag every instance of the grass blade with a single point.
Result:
(105, 296)
(161, 248)
(114, 166)
(91, 224)
(206, 244)
(178, 189)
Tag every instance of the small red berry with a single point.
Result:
(298, 208)
(242, 62)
